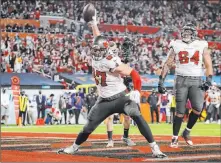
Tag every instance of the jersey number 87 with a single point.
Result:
(184, 59)
(100, 78)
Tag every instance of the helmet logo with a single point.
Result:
(105, 43)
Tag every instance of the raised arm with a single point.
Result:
(93, 25)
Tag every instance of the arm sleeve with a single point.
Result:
(136, 80)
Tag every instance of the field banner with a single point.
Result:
(147, 80)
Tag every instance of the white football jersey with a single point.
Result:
(108, 83)
(189, 57)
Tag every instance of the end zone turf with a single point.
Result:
(42, 147)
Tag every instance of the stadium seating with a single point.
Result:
(29, 46)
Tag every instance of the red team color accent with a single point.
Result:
(184, 59)
(102, 76)
(136, 80)
(109, 57)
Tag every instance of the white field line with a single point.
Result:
(117, 141)
(39, 138)
(201, 145)
(21, 145)
(185, 158)
(64, 138)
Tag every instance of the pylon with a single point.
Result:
(19, 121)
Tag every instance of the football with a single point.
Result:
(88, 12)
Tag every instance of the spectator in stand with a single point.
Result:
(64, 83)
(73, 85)
(54, 59)
(37, 14)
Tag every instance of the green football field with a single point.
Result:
(200, 129)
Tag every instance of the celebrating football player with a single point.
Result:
(189, 55)
(107, 71)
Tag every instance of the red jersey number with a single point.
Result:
(100, 78)
(184, 59)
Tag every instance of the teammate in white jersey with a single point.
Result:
(112, 98)
(189, 55)
(214, 107)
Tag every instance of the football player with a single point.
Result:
(189, 55)
(107, 71)
(214, 107)
(113, 50)
(125, 137)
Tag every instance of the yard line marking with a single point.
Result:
(95, 141)
(21, 145)
(199, 145)
(184, 158)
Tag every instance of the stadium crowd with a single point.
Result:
(52, 55)
(152, 13)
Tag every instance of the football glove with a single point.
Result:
(205, 86)
(93, 22)
(161, 88)
(135, 96)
